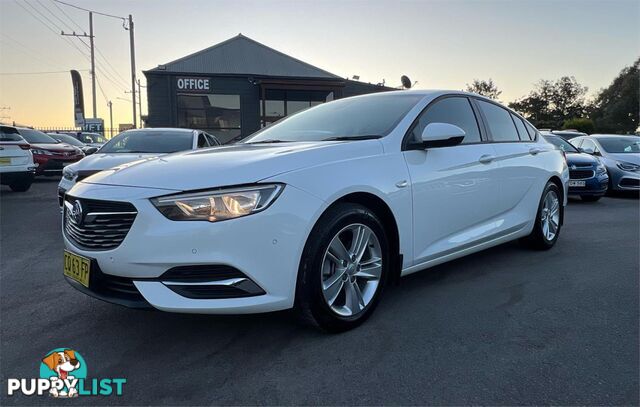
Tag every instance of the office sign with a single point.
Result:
(202, 85)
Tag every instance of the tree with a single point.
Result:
(581, 124)
(550, 103)
(617, 108)
(484, 88)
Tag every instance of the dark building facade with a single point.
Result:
(237, 87)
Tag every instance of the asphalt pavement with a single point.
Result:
(507, 326)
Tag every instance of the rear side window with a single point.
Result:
(452, 110)
(522, 131)
(499, 122)
(9, 134)
(532, 131)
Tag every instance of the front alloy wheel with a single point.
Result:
(343, 268)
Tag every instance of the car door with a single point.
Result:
(519, 168)
(454, 189)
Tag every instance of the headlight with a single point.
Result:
(69, 174)
(219, 204)
(625, 166)
(41, 152)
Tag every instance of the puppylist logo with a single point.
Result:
(63, 374)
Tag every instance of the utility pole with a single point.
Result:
(140, 101)
(93, 60)
(110, 119)
(133, 70)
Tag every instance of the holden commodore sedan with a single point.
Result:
(318, 212)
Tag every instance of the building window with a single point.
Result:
(281, 103)
(216, 114)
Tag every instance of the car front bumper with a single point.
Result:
(595, 186)
(265, 247)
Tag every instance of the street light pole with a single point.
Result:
(133, 70)
(93, 64)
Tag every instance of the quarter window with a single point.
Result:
(499, 122)
(522, 131)
(531, 130)
(452, 110)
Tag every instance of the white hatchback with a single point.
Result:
(318, 211)
(17, 168)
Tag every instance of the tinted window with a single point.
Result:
(499, 121)
(149, 141)
(358, 116)
(9, 134)
(202, 141)
(624, 144)
(453, 110)
(35, 136)
(67, 139)
(522, 131)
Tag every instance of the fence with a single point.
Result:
(107, 132)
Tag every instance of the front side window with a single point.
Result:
(451, 110)
(499, 122)
(149, 141)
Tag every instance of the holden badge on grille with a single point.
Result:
(76, 213)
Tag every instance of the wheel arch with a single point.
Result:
(556, 180)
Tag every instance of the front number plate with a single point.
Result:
(577, 183)
(5, 161)
(77, 268)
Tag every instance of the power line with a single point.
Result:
(66, 15)
(38, 73)
(106, 99)
(55, 15)
(91, 11)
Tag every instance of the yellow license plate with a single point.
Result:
(77, 268)
(5, 161)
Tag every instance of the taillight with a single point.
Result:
(25, 146)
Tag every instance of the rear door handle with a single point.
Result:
(487, 158)
(535, 150)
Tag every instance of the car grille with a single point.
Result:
(581, 174)
(101, 225)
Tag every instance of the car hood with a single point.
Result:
(99, 162)
(581, 158)
(53, 147)
(633, 158)
(232, 165)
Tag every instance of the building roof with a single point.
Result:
(241, 55)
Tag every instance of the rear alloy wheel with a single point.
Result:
(343, 268)
(547, 225)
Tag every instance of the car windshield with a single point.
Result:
(92, 138)
(561, 144)
(368, 116)
(36, 137)
(622, 144)
(149, 141)
(67, 139)
(9, 134)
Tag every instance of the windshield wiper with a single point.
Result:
(347, 138)
(268, 141)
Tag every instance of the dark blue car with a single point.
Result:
(588, 177)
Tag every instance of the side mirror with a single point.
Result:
(441, 135)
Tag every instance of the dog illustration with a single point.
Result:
(62, 363)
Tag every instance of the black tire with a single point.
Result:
(20, 186)
(590, 198)
(537, 239)
(311, 305)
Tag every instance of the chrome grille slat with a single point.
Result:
(98, 231)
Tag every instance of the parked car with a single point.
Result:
(568, 134)
(17, 168)
(588, 177)
(50, 155)
(317, 211)
(133, 145)
(90, 139)
(72, 141)
(621, 156)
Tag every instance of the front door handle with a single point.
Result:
(487, 158)
(535, 150)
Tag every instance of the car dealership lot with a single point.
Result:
(504, 326)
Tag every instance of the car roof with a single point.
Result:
(176, 129)
(612, 135)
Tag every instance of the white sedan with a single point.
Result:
(133, 145)
(318, 211)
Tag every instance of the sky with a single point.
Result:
(439, 44)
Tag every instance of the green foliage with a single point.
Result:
(551, 103)
(484, 88)
(617, 108)
(581, 124)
